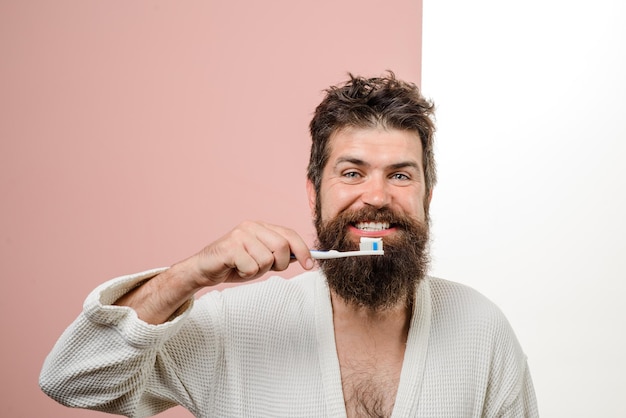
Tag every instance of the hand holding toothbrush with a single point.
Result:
(245, 253)
(248, 251)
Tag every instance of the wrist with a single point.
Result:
(178, 283)
(158, 299)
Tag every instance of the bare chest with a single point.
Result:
(370, 382)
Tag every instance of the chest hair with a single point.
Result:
(369, 389)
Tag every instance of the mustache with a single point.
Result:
(370, 214)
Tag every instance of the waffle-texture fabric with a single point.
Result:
(268, 350)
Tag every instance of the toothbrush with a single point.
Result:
(367, 246)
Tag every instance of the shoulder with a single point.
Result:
(441, 288)
(275, 309)
(459, 311)
(273, 293)
(301, 285)
(460, 301)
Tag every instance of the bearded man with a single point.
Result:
(361, 336)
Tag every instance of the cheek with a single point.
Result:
(336, 199)
(413, 204)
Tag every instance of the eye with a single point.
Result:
(400, 176)
(352, 174)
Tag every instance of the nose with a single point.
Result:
(376, 192)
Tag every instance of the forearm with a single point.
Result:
(158, 299)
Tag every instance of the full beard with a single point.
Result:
(375, 282)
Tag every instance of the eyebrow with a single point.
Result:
(362, 163)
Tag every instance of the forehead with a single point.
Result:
(375, 144)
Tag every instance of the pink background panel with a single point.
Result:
(134, 133)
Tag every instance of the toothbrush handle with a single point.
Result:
(325, 255)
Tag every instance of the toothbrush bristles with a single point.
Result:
(371, 244)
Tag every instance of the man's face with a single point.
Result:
(373, 186)
(374, 168)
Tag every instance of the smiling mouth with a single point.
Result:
(372, 226)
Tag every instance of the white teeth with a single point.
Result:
(372, 226)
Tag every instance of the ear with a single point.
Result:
(310, 191)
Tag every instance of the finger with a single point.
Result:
(274, 240)
(238, 255)
(259, 253)
(250, 250)
(291, 245)
(246, 267)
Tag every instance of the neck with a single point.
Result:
(391, 322)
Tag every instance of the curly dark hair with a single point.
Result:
(367, 103)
